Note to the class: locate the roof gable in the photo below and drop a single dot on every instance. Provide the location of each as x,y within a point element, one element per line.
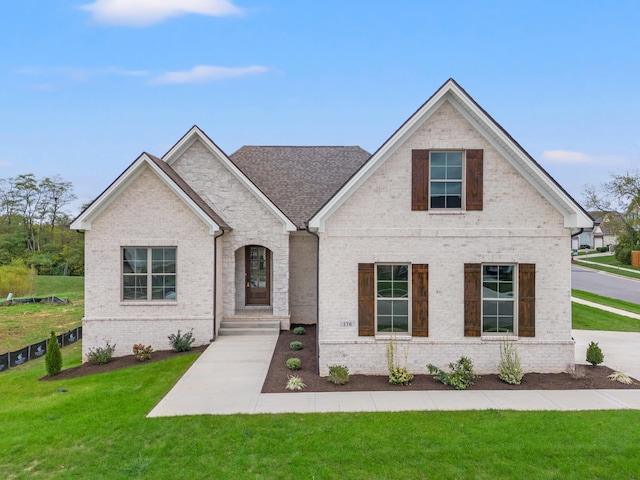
<point>169,177</point>
<point>195,134</point>
<point>573,214</point>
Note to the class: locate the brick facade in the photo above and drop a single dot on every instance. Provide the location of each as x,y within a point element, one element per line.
<point>376,224</point>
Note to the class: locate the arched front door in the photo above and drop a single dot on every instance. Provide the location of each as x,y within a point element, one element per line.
<point>257,275</point>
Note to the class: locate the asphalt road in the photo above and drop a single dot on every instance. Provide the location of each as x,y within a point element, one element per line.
<point>605,284</point>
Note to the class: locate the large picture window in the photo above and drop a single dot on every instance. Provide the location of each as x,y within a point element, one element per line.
<point>498,298</point>
<point>445,177</point>
<point>148,273</point>
<point>392,298</point>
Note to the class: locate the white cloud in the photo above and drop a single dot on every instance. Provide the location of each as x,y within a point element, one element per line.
<point>565,156</point>
<point>142,13</point>
<point>207,73</point>
<point>4,164</point>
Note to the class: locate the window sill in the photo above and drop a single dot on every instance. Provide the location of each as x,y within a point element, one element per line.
<point>401,337</point>
<point>154,303</point>
<point>498,338</point>
<point>447,212</point>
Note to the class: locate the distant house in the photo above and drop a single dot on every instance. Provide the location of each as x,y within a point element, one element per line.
<point>601,234</point>
<point>447,238</point>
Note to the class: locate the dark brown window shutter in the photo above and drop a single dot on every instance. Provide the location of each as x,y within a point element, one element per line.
<point>366,299</point>
<point>420,180</point>
<point>420,300</point>
<point>527,300</point>
<point>474,179</point>
<point>472,299</point>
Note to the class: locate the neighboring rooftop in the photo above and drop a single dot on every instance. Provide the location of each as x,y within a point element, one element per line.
<point>299,180</point>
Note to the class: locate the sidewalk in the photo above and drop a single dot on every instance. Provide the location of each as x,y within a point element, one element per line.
<point>227,379</point>
<point>617,311</point>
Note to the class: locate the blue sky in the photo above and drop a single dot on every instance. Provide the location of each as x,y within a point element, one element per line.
<point>88,85</point>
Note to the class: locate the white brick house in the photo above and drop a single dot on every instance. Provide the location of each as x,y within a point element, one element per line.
<point>448,237</point>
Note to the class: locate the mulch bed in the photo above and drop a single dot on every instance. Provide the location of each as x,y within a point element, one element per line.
<point>118,363</point>
<point>585,377</point>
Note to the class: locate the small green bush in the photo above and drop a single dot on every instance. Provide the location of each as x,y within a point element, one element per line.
<point>461,376</point>
<point>594,354</point>
<point>53,357</point>
<point>338,374</point>
<point>295,383</point>
<point>101,355</point>
<point>181,343</point>
<point>294,364</point>
<point>299,330</point>
<point>398,375</point>
<point>509,368</point>
<point>295,345</point>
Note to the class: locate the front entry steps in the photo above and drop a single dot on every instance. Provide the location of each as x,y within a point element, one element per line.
<point>251,323</point>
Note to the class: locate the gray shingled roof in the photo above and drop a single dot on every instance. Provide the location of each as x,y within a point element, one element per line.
<point>184,186</point>
<point>299,180</point>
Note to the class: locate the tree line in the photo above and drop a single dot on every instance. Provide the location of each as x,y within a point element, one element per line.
<point>34,225</point>
<point>619,200</point>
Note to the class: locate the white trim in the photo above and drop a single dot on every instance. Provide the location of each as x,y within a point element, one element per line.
<point>84,220</point>
<point>196,134</point>
<point>450,92</point>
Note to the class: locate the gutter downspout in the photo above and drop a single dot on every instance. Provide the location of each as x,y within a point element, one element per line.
<point>215,283</point>
<point>578,233</point>
<point>317,298</point>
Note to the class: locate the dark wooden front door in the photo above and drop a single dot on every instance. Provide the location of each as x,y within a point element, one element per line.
<point>257,275</point>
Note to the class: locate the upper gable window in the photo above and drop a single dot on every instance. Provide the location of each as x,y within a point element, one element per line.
<point>445,180</point>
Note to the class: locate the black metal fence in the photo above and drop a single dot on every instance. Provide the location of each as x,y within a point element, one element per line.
<point>36,350</point>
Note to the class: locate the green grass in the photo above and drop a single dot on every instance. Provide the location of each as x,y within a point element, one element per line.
<point>610,302</point>
<point>22,325</point>
<point>611,260</point>
<point>98,430</point>
<point>589,318</point>
<point>609,269</point>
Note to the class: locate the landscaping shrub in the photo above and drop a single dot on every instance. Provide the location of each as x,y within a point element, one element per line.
<point>181,343</point>
<point>398,375</point>
<point>53,357</point>
<point>338,374</point>
<point>623,254</point>
<point>461,376</point>
<point>509,368</point>
<point>101,355</point>
<point>295,383</point>
<point>295,345</point>
<point>294,364</point>
<point>594,354</point>
<point>299,330</point>
<point>16,278</point>
<point>141,352</point>
<point>602,249</point>
<point>620,377</point>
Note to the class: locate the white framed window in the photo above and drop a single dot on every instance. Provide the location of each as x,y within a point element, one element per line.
<point>445,180</point>
<point>149,273</point>
<point>392,298</point>
<point>498,299</point>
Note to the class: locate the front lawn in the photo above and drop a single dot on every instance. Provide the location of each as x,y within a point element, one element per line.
<point>589,318</point>
<point>22,325</point>
<point>97,429</point>
<point>610,302</point>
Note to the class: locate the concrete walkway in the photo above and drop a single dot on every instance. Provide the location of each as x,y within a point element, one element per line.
<point>228,376</point>
<point>606,308</point>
